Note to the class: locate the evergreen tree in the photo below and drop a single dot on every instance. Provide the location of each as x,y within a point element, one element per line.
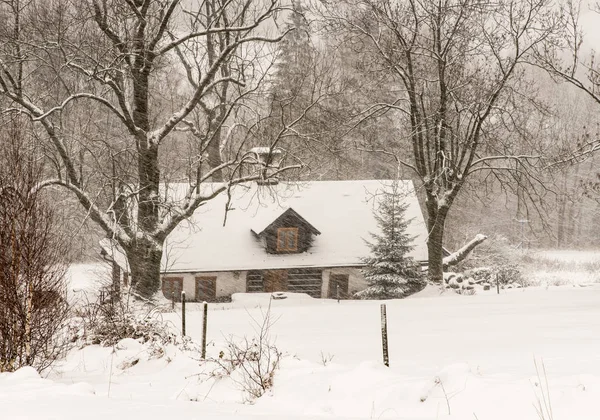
<point>310,79</point>
<point>295,58</point>
<point>389,272</point>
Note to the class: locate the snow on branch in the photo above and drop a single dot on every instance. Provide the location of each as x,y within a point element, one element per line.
<point>88,203</point>
<point>78,96</point>
<point>464,252</point>
<point>194,200</point>
<point>206,84</point>
<point>271,9</point>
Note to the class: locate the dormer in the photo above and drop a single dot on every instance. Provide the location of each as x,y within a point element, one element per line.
<point>289,233</point>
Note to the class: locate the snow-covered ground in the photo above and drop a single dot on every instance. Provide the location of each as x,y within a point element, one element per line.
<point>562,267</point>
<point>85,280</point>
<point>451,357</point>
<point>570,255</point>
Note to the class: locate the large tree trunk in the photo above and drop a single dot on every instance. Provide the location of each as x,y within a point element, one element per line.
<point>149,180</point>
<point>144,262</point>
<point>144,255</point>
<point>435,223</point>
<point>435,271</point>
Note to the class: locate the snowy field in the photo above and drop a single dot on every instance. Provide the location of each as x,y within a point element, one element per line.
<point>570,256</point>
<point>562,267</point>
<point>451,357</point>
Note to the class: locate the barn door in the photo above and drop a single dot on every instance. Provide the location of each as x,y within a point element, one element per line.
<point>275,281</point>
<point>206,289</point>
<point>172,287</point>
<point>338,281</point>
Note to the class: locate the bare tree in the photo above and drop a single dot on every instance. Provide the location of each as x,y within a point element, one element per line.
<point>455,74</point>
<point>569,58</point>
<point>60,60</point>
<point>563,57</point>
<point>33,259</point>
<point>207,124</point>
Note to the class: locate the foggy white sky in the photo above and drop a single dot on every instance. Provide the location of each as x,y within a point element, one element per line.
<point>590,23</point>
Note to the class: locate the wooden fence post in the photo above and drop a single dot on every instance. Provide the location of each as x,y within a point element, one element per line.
<point>183,313</point>
<point>384,337</point>
<point>205,323</point>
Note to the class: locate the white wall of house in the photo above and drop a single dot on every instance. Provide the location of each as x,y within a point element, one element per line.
<point>356,280</point>
<point>325,284</point>
<point>189,286</point>
<point>228,282</point>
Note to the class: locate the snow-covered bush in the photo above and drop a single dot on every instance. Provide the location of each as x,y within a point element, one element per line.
<point>108,322</point>
<point>483,275</point>
<point>389,272</point>
<point>504,274</point>
<point>509,274</point>
<point>250,362</point>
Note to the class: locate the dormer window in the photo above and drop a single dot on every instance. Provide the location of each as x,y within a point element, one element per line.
<point>288,233</point>
<point>287,239</point>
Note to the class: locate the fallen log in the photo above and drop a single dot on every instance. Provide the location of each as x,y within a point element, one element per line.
<point>463,252</point>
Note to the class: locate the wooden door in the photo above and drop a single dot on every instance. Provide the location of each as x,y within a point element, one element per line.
<point>172,287</point>
<point>338,281</point>
<point>206,289</point>
<point>275,281</point>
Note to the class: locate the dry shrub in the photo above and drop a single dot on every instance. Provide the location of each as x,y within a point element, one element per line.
<point>251,363</point>
<point>108,321</point>
<point>33,306</point>
<point>504,273</point>
<point>509,273</point>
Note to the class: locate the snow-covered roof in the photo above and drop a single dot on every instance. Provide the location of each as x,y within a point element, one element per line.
<point>341,210</point>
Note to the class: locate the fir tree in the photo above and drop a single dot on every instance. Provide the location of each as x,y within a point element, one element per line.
<point>310,80</point>
<point>295,58</point>
<point>389,272</point>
